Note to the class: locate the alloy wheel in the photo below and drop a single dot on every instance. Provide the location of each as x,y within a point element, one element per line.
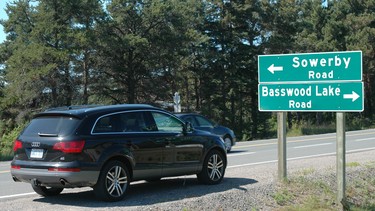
<point>215,167</point>
<point>116,181</point>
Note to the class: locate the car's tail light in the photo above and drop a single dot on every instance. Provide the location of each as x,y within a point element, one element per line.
<point>16,167</point>
<point>17,145</point>
<point>70,146</point>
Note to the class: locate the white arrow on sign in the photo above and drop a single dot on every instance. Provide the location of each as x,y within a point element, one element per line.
<point>274,68</point>
<point>354,96</point>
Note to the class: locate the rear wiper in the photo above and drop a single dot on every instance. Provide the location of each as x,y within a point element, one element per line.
<point>47,135</point>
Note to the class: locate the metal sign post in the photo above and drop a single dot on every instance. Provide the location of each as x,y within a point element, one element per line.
<point>340,159</point>
<point>177,102</point>
<point>281,136</point>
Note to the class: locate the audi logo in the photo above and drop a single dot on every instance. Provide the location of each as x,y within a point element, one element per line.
<point>35,144</point>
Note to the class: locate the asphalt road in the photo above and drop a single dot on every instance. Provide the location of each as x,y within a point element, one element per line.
<point>243,154</point>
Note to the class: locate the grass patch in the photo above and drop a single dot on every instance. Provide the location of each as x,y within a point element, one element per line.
<point>310,203</point>
<point>282,197</point>
<point>307,171</point>
<point>302,193</point>
<point>361,191</point>
<point>353,164</point>
<point>318,129</point>
<point>370,165</point>
<point>295,131</point>
<point>310,129</point>
<point>307,191</point>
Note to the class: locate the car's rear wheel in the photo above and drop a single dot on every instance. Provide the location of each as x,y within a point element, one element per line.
<point>46,191</point>
<point>213,168</point>
<point>113,182</point>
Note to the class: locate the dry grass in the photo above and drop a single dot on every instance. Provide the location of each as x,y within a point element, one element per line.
<point>311,190</point>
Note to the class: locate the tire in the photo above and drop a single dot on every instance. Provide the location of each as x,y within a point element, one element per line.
<point>213,168</point>
<point>228,143</point>
<point>113,182</point>
<point>47,191</point>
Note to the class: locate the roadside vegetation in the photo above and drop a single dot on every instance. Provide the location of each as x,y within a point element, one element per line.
<point>307,191</point>
<point>6,143</point>
<point>301,128</point>
<point>143,51</point>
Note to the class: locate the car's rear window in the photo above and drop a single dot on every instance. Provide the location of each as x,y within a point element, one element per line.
<point>51,126</point>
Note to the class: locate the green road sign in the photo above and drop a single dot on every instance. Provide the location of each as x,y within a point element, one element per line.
<point>319,96</point>
<point>310,67</point>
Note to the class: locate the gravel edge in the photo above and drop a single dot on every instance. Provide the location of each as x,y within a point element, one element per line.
<point>248,187</point>
<point>257,195</point>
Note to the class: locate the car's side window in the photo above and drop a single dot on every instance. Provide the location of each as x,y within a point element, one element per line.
<point>136,121</point>
<point>132,122</point>
<point>191,119</point>
<point>108,124</point>
<point>167,123</point>
<point>203,122</point>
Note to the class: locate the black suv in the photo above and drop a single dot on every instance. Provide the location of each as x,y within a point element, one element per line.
<point>107,147</point>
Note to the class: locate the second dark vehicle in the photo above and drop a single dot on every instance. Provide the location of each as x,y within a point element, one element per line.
<point>202,123</point>
<point>107,147</point>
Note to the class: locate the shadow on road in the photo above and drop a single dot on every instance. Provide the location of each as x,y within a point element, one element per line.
<point>144,193</point>
<point>232,152</point>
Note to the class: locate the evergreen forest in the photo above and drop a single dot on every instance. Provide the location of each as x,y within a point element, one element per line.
<point>78,52</point>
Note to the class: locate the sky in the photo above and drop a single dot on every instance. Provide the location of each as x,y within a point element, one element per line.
<point>3,15</point>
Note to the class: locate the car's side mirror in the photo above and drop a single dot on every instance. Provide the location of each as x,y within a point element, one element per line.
<point>188,127</point>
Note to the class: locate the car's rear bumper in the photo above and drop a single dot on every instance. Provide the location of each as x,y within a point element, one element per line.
<point>63,179</point>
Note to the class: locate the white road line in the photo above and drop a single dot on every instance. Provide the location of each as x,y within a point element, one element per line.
<point>252,164</point>
<point>313,145</point>
<point>17,195</point>
<point>298,158</point>
<point>298,139</point>
<point>240,154</point>
<point>365,139</point>
<point>229,167</point>
<point>360,150</point>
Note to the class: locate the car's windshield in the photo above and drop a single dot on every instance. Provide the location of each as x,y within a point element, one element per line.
<point>203,122</point>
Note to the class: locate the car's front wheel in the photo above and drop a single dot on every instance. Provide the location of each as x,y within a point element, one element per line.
<point>213,168</point>
<point>46,191</point>
<point>113,182</point>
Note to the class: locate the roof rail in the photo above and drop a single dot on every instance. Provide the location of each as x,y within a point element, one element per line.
<point>72,107</point>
